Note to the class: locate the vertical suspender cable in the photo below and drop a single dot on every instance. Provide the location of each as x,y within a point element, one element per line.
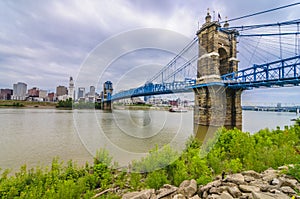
<point>297,38</point>
<point>280,41</point>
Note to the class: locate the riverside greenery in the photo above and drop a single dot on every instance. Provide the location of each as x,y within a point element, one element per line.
<point>230,151</point>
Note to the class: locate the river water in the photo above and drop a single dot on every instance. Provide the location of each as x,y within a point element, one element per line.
<point>34,136</point>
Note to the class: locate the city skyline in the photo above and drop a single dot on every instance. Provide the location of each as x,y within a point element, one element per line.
<point>43,44</point>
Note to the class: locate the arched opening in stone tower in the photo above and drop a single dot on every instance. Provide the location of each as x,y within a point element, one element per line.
<point>224,64</point>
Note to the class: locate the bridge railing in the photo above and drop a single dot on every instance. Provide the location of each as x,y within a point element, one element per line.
<point>156,89</point>
<point>281,72</point>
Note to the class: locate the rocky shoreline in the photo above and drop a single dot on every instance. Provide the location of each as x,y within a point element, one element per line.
<point>246,185</point>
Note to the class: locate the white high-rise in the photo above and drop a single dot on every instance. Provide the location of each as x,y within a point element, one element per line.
<point>19,92</point>
<point>71,88</point>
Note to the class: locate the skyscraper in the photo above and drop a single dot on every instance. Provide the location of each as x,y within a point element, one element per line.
<point>81,92</point>
<point>19,91</point>
<point>61,90</point>
<point>71,88</point>
<point>92,91</point>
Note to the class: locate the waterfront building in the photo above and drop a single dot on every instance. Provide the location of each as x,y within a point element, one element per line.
<point>33,92</point>
<point>19,91</point>
<point>61,90</point>
<point>43,94</point>
<point>63,97</point>
<point>5,94</point>
<point>51,97</point>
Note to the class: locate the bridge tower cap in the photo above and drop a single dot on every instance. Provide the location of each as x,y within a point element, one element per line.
<point>208,17</point>
<point>226,24</point>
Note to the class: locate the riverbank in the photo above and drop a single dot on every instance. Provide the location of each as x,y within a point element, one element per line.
<point>146,107</point>
<point>27,104</point>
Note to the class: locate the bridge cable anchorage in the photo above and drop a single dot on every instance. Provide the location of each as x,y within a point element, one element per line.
<point>261,12</point>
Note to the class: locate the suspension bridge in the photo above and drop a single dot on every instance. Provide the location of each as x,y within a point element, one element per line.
<point>268,56</point>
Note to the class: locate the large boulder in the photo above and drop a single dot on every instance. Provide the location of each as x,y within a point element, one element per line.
<point>166,190</point>
<point>262,195</point>
<point>145,194</point>
<point>249,188</point>
<point>235,178</point>
<point>188,188</point>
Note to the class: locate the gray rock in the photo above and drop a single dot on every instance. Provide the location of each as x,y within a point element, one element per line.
<point>264,186</point>
<point>222,189</point>
<point>145,194</point>
<point>261,195</point>
<point>214,196</point>
<point>226,195</point>
<point>246,196</point>
<point>205,194</point>
<point>179,196</point>
<point>289,182</point>
<point>251,173</point>
<point>228,184</point>
<point>275,181</point>
<point>195,197</point>
<point>235,178</point>
<point>130,195</point>
<point>287,190</point>
<point>269,174</point>
<point>249,188</point>
<point>215,183</point>
<point>249,179</point>
<point>153,196</point>
<point>274,191</point>
<point>166,190</point>
<point>188,188</point>
<point>234,191</point>
<point>283,168</point>
<point>214,190</point>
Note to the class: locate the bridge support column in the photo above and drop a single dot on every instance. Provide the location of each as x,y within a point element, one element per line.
<point>216,106</point>
<point>106,105</point>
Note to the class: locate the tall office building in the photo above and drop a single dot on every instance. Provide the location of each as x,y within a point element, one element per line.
<point>19,91</point>
<point>61,90</point>
<point>92,91</point>
<point>71,88</point>
<point>81,92</point>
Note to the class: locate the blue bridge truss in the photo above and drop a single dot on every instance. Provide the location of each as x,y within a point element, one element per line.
<point>278,73</point>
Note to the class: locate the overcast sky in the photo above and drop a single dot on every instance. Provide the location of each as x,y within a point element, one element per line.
<point>43,43</point>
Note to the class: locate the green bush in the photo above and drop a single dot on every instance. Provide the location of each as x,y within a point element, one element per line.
<point>156,179</point>
<point>294,171</point>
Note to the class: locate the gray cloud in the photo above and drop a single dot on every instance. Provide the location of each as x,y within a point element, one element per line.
<point>42,43</point>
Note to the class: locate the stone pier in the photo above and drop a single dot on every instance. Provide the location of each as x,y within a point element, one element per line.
<point>106,103</point>
<point>216,105</point>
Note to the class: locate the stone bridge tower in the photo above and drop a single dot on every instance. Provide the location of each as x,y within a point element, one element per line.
<point>216,105</point>
<point>106,96</point>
